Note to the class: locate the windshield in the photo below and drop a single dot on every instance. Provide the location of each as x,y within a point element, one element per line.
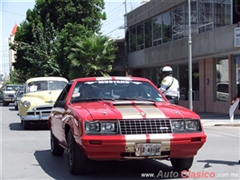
<point>12,87</point>
<point>115,90</point>
<point>45,85</point>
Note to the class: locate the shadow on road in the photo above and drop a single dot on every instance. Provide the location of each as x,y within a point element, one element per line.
<point>209,162</point>
<point>56,167</point>
<point>34,127</point>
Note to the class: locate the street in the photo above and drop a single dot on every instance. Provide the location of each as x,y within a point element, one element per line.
<point>26,155</point>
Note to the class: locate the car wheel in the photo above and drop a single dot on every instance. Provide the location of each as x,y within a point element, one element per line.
<point>26,125</point>
<point>77,161</point>
<point>55,148</point>
<point>182,164</point>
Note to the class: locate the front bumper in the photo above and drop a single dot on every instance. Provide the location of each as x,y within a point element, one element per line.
<point>37,114</point>
<point>119,147</point>
<point>9,99</point>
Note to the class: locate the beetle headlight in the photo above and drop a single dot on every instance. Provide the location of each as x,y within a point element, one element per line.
<point>26,104</point>
<point>185,125</point>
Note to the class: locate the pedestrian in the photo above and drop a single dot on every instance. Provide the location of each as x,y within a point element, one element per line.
<point>170,85</point>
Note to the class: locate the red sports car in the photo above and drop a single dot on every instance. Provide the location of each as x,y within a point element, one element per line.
<point>121,118</point>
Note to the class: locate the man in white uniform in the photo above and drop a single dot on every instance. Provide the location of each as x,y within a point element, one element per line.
<point>170,85</point>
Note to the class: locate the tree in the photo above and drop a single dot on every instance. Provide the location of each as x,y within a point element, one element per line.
<point>43,41</point>
<point>93,56</point>
<point>64,42</point>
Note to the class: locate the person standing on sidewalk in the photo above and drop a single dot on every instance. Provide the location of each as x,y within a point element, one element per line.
<point>170,85</point>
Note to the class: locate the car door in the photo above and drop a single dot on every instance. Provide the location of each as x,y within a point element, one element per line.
<point>57,115</point>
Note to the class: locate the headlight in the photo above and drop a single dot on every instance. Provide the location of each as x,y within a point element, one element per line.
<point>186,125</point>
<point>26,104</point>
<point>178,126</point>
<point>192,125</point>
<point>91,127</point>
<point>108,127</point>
<point>98,127</point>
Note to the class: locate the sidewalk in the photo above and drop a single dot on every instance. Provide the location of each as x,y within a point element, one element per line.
<point>219,119</point>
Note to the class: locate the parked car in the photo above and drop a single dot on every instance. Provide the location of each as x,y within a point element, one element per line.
<point>38,99</point>
<point>8,93</point>
<point>18,95</point>
<point>122,118</point>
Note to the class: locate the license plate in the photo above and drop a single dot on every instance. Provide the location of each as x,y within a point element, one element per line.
<point>147,149</point>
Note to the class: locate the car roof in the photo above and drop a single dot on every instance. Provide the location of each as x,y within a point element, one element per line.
<point>46,78</point>
<point>107,78</point>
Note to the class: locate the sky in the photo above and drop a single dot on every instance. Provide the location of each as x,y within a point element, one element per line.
<point>14,12</point>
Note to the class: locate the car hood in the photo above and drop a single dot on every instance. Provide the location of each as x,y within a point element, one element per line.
<point>133,110</point>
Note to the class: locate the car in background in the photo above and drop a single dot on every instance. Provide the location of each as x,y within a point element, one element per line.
<point>8,93</point>
<point>38,99</point>
<point>18,95</point>
<point>122,118</point>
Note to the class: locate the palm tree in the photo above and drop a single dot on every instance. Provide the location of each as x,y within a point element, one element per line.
<point>93,56</point>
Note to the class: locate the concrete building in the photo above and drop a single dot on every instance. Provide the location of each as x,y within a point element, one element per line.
<point>157,35</point>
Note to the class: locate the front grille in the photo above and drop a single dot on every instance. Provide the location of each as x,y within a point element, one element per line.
<point>152,126</point>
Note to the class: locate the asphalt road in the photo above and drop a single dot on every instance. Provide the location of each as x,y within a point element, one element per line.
<point>26,155</point>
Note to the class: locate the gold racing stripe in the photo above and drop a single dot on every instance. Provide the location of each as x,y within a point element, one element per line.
<point>151,111</point>
<point>129,112</point>
<point>140,111</point>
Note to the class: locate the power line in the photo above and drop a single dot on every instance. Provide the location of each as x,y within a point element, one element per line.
<point>135,17</point>
<point>13,13</point>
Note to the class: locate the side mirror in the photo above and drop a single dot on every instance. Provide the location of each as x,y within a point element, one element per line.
<point>61,104</point>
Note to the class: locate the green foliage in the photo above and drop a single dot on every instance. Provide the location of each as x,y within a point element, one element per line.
<point>93,56</point>
<point>17,77</point>
<point>44,40</point>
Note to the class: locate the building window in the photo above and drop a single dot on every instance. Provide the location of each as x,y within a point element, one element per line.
<point>222,13</point>
<point>178,27</point>
<point>205,16</point>
<point>222,79</point>
<point>132,40</point>
<point>157,30</point>
<point>148,33</point>
<point>140,37</point>
<point>167,27</point>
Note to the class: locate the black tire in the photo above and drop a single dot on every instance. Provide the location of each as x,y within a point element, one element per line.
<point>182,164</point>
<point>55,148</point>
<point>77,161</point>
<point>26,125</point>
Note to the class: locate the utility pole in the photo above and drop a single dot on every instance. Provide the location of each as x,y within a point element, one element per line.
<point>190,55</point>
